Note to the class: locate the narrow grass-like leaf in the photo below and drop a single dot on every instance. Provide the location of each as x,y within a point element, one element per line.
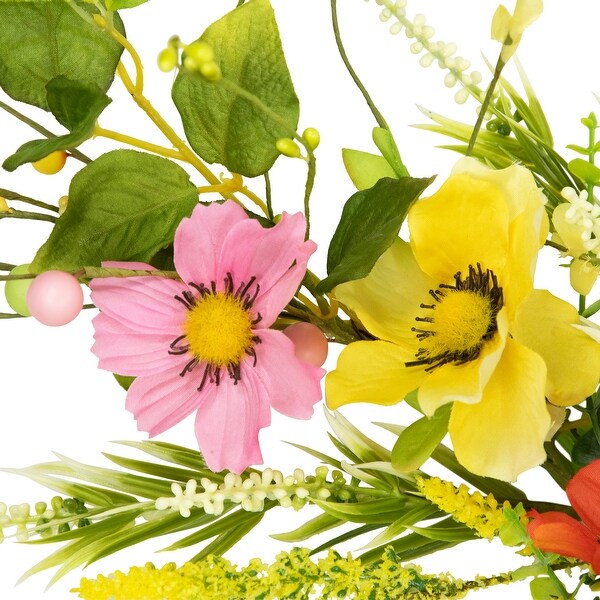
<point>157,470</point>
<point>344,537</point>
<point>315,526</point>
<point>178,455</point>
<point>322,457</point>
<point>381,511</point>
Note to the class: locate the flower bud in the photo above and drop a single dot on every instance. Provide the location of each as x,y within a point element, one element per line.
<point>210,71</point>
<point>312,137</point>
<point>167,59</point>
<point>288,147</point>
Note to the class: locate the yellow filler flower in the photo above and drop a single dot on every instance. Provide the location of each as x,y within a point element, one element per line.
<point>457,317</point>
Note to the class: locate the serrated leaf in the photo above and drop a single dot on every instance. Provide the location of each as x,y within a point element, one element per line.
<point>417,442</point>
<point>387,146</point>
<point>42,40</point>
<point>585,171</point>
<point>76,105</point>
<point>223,126</point>
<point>124,206</point>
<point>366,169</point>
<point>370,223</point>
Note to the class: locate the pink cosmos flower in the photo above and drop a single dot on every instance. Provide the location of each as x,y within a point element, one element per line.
<point>204,344</point>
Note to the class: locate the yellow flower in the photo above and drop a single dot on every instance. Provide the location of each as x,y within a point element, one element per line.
<point>457,317</point>
<point>508,29</point>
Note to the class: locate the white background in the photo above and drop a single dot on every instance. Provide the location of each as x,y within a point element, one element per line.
<point>52,397</point>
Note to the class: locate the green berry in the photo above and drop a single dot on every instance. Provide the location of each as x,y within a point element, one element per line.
<point>288,147</point>
<point>200,53</point>
<point>312,137</point>
<point>15,291</point>
<point>167,59</point>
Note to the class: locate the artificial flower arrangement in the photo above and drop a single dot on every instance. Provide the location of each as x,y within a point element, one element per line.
<point>205,305</point>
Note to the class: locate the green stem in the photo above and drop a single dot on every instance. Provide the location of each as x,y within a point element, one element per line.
<point>10,195</point>
<point>557,465</point>
<point>484,105</point>
<point>591,404</point>
<point>268,196</point>
<point>6,266</point>
<point>556,246</point>
<point>23,214</point>
<point>581,304</point>
<point>310,182</point>
<point>338,40</point>
<point>11,316</point>
<point>15,113</point>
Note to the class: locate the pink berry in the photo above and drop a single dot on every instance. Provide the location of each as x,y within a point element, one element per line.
<point>54,298</point>
<point>309,341</point>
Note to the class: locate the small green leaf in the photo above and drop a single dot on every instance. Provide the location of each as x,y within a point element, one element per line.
<point>366,169</point>
<point>586,449</point>
<point>585,171</point>
<point>42,40</point>
<point>578,149</point>
<point>416,443</point>
<point>370,223</point>
<point>76,105</point>
<point>387,146</point>
<point>124,381</point>
<point>119,4</point>
<point>223,126</point>
<point>125,205</point>
<point>543,588</point>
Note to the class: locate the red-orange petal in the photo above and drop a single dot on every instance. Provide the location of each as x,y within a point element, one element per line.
<point>583,492</point>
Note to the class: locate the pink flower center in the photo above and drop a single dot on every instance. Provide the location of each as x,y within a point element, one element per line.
<point>218,329</point>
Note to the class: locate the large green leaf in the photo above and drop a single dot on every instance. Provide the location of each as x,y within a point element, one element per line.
<point>42,40</point>
<point>417,442</point>
<point>221,125</point>
<point>370,222</point>
<point>125,205</point>
<point>76,105</point>
<point>119,4</point>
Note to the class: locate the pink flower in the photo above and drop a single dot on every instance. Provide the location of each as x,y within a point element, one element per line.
<point>204,344</point>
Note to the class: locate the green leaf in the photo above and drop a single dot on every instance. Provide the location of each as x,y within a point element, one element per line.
<point>387,146</point>
<point>578,149</point>
<point>76,105</point>
<point>124,381</point>
<point>120,4</point>
<point>417,442</point>
<point>586,449</point>
<point>543,588</point>
<point>370,223</point>
<point>315,526</point>
<point>42,40</point>
<point>585,171</point>
<point>223,126</point>
<point>125,205</point>
<point>366,169</point>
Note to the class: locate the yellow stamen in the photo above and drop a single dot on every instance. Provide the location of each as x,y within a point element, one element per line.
<point>219,329</point>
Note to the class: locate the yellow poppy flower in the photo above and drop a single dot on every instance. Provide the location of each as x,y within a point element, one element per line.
<point>457,317</point>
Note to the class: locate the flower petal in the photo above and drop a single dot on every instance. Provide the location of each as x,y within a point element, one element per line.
<point>464,383</point>
<point>503,434</point>
<point>387,300</point>
<point>583,491</point>
<point>129,352</point>
<point>140,304</point>
<point>464,223</point>
<point>199,240</point>
<point>549,326</point>
<point>228,423</point>
<point>163,399</point>
<point>371,372</point>
<point>293,387</point>
<point>267,254</point>
<point>560,533</point>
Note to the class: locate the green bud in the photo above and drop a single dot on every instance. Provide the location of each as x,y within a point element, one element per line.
<point>40,508</point>
<point>288,147</point>
<point>321,472</point>
<point>210,71</point>
<point>312,137</point>
<point>200,53</point>
<point>167,59</point>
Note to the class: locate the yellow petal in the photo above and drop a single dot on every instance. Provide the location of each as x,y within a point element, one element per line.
<point>503,435</point>
<point>569,233</point>
<point>387,300</point>
<point>526,12</point>
<point>371,372</point>
<point>501,24</point>
<point>464,383</point>
<point>548,326</point>
<point>527,230</point>
<point>464,223</point>
<point>583,275</point>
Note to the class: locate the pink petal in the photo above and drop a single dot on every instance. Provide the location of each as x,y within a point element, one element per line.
<point>142,304</point>
<point>128,352</point>
<point>228,423</point>
<point>292,386</point>
<point>161,400</point>
<point>267,254</point>
<point>199,240</point>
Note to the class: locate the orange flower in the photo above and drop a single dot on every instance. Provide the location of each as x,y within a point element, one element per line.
<point>560,533</point>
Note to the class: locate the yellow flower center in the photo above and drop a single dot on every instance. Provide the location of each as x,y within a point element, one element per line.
<point>219,329</point>
<point>461,320</point>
